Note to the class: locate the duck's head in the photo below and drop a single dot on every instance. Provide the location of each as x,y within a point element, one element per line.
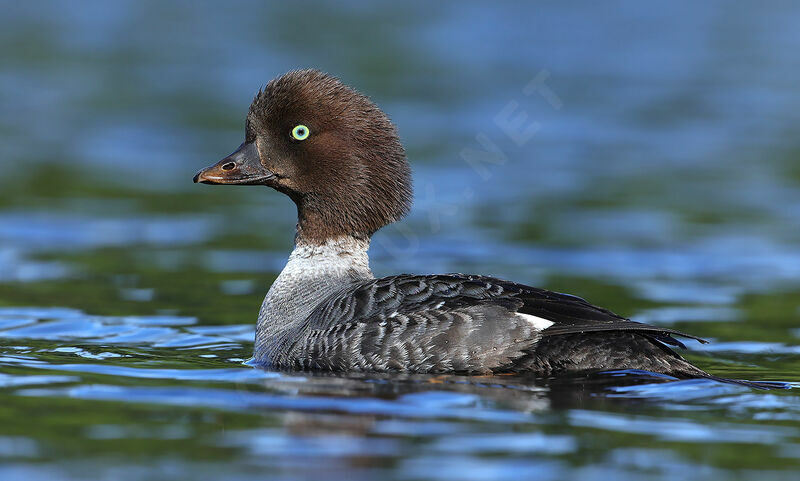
<point>327,147</point>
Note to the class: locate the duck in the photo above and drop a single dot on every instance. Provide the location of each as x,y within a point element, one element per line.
<point>339,158</point>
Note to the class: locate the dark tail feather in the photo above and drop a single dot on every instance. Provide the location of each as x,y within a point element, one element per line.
<point>753,384</point>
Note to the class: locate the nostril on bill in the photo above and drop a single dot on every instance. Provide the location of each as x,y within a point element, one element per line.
<point>228,166</point>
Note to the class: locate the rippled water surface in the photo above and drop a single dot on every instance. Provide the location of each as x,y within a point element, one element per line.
<point>646,158</point>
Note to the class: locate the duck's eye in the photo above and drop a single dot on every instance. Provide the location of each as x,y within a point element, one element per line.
<point>300,132</point>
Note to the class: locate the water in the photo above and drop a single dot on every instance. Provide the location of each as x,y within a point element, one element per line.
<point>656,172</point>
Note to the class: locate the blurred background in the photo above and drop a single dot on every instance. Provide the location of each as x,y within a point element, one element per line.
<point>644,157</point>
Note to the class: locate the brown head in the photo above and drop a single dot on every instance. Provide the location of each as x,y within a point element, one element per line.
<point>327,147</point>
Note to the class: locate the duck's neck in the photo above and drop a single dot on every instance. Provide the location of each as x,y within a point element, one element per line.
<point>314,272</point>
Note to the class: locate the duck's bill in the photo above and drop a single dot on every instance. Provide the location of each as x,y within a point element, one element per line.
<point>243,167</point>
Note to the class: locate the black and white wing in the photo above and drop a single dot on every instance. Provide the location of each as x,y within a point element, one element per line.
<point>443,323</point>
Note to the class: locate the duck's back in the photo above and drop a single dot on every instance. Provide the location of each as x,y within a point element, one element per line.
<point>471,324</point>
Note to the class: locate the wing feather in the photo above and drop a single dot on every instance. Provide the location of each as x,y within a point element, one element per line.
<point>444,323</point>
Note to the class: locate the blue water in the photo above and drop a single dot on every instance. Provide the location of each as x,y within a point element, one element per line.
<point>643,156</point>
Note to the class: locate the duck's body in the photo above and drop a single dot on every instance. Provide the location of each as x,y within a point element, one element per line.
<point>326,311</point>
<point>337,156</point>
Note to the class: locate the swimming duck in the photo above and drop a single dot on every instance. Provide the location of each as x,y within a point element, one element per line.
<point>339,158</point>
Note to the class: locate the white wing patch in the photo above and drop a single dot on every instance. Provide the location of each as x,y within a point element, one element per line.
<point>538,323</point>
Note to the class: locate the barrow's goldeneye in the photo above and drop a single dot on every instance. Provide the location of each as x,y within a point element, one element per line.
<point>338,157</point>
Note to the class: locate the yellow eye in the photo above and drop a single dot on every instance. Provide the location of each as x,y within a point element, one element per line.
<point>300,132</point>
